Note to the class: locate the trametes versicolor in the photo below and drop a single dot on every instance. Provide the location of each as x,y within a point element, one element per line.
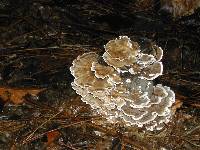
<point>119,86</point>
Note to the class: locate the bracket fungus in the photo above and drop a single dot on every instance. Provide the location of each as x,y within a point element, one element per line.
<point>119,84</point>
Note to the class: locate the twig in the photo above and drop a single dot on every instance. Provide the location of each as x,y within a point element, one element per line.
<point>40,127</point>
<point>192,130</point>
<point>30,138</point>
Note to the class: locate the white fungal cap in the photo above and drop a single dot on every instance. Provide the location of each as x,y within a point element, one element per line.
<point>122,90</point>
<point>120,52</point>
<point>101,71</point>
<point>152,71</point>
<point>145,60</point>
<point>121,48</point>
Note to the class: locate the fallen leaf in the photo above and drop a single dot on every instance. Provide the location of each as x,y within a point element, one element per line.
<point>178,103</point>
<point>16,95</point>
<point>51,136</point>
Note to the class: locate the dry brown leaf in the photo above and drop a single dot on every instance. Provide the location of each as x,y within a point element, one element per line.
<point>16,95</point>
<point>52,136</point>
<point>178,103</point>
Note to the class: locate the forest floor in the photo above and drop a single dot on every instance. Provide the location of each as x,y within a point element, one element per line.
<point>39,39</point>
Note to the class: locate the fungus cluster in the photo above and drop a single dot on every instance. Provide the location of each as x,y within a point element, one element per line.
<point>119,86</point>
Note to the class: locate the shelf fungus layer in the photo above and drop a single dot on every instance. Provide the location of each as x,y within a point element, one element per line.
<point>120,87</point>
